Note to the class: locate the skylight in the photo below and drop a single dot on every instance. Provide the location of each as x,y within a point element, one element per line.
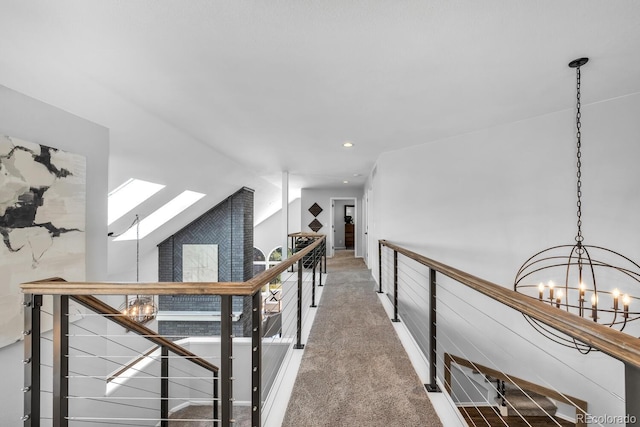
<point>162,215</point>
<point>129,195</point>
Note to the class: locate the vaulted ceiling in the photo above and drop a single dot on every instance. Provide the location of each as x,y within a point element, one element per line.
<point>265,87</point>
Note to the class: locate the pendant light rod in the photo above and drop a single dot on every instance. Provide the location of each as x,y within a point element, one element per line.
<point>577,63</point>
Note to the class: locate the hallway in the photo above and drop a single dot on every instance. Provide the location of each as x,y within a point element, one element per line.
<point>354,370</point>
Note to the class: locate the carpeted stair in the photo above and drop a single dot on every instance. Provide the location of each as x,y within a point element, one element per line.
<point>528,405</point>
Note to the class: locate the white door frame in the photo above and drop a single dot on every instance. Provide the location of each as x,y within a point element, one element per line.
<point>332,229</point>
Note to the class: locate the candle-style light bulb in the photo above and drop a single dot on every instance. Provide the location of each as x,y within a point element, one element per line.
<point>616,297</point>
<point>551,286</point>
<point>581,287</point>
<point>558,298</point>
<point>540,291</point>
<point>626,300</point>
<point>594,307</point>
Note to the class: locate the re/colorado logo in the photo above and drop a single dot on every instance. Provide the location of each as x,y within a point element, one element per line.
<point>606,419</point>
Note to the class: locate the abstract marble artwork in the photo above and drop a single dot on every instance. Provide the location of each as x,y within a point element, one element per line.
<point>199,263</point>
<point>42,223</point>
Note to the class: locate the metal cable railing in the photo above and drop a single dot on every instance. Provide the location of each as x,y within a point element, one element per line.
<point>475,339</point>
<point>86,372</point>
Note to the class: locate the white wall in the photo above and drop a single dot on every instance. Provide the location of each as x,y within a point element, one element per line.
<point>323,198</point>
<point>35,121</point>
<point>486,201</point>
<point>268,234</point>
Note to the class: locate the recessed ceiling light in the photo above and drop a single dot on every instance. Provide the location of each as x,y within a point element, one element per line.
<point>348,144</point>
<point>357,174</point>
<point>345,182</point>
<point>162,215</point>
<point>129,195</point>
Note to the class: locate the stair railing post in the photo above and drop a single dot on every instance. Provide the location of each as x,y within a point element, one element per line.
<point>433,359</point>
<point>256,359</point>
<point>632,394</point>
<point>164,386</point>
<point>395,287</point>
<point>226,359</point>
<point>299,344</point>
<point>60,360</point>
<point>31,361</point>
<point>379,267</point>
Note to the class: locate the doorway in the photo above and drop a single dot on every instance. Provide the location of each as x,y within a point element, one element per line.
<point>344,218</point>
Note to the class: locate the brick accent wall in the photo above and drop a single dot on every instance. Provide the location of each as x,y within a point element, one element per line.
<point>230,226</point>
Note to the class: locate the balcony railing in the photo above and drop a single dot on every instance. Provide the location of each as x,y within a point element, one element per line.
<point>473,335</point>
<point>86,363</point>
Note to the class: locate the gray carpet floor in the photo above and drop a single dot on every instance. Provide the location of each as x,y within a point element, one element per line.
<point>354,370</point>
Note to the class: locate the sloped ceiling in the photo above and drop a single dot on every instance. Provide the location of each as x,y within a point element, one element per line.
<point>214,95</point>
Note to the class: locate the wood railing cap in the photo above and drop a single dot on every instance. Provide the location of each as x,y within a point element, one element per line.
<point>57,286</point>
<point>619,345</point>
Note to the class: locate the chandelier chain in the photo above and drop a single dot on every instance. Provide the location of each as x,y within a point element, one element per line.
<point>579,237</point>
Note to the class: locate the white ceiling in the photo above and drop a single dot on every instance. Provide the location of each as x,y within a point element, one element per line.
<point>280,85</point>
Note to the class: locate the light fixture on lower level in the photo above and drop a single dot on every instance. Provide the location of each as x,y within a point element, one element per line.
<point>141,308</point>
<point>589,281</point>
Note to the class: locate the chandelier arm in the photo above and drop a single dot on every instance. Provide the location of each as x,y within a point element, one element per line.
<point>631,274</point>
<point>559,339</point>
<point>584,349</point>
<point>524,265</point>
<point>623,325</point>
<point>544,268</point>
<point>618,254</point>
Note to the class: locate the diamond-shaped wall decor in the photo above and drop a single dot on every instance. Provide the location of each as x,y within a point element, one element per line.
<point>315,210</point>
<point>315,225</point>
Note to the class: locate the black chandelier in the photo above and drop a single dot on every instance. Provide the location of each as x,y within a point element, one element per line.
<point>589,281</point>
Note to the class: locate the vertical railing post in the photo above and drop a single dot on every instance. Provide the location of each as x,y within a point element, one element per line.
<point>324,251</point>
<point>164,387</point>
<point>299,344</point>
<point>226,362</point>
<point>293,250</point>
<point>319,261</point>
<point>379,267</point>
<point>313,285</point>
<point>395,287</point>
<point>433,373</point>
<point>31,389</point>
<point>632,394</point>
<point>216,400</point>
<point>60,360</point>
<point>256,359</point>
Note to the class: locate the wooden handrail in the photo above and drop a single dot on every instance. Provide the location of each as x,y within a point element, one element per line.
<point>271,273</point>
<point>616,344</point>
<point>580,405</point>
<point>305,234</point>
<point>115,316</point>
<point>248,288</point>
